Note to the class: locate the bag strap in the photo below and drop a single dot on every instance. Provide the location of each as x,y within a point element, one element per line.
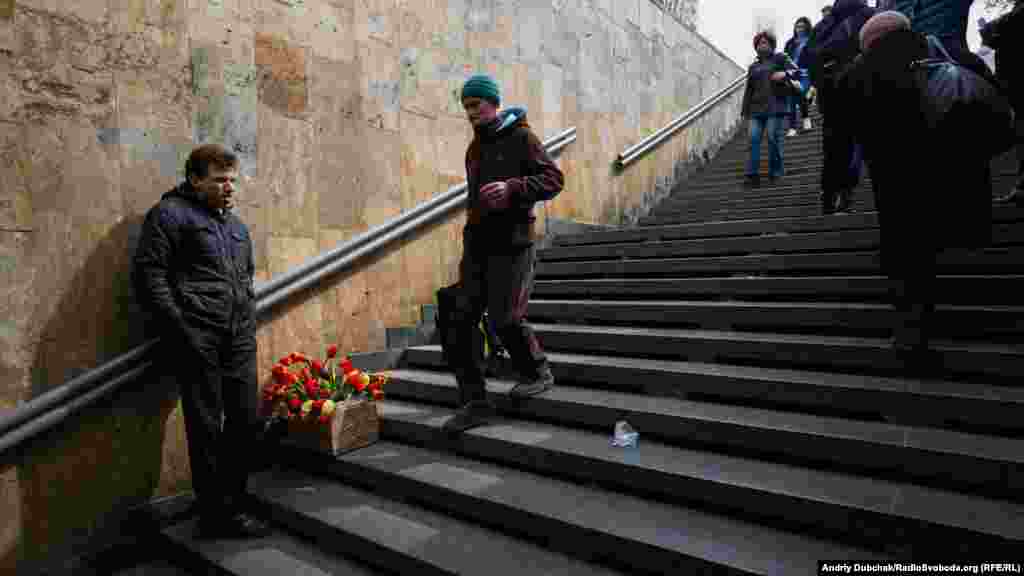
<point>934,42</point>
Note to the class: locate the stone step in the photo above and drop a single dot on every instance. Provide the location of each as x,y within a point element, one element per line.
<point>845,240</point>
<point>808,205</point>
<point>1000,213</point>
<point>1003,235</point>
<point>991,261</point>
<point>155,568</point>
<point>398,536</point>
<point>949,289</point>
<point>967,406</point>
<point>277,554</point>
<point>734,201</point>
<point>974,321</point>
<point>642,536</point>
<point>884,513</point>
<point>988,465</point>
<point>1003,362</point>
<point>736,189</point>
<point>721,229</point>
<point>786,212</point>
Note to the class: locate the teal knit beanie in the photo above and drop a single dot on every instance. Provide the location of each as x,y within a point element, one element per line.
<point>482,86</point>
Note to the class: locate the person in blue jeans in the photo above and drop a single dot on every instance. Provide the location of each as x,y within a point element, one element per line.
<point>765,104</point>
<point>799,103</point>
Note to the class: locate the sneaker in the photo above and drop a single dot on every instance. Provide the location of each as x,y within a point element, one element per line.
<point>471,415</point>
<point>791,133</point>
<point>808,125</point>
<point>240,526</point>
<point>752,181</point>
<point>542,383</point>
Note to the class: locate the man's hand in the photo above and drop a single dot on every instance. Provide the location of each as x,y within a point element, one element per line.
<point>495,195</point>
<point>779,76</point>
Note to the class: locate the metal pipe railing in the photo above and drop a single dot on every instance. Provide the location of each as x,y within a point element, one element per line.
<point>51,408</point>
<point>651,142</point>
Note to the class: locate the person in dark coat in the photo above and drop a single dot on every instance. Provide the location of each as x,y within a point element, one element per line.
<point>946,20</point>
<point>193,273</point>
<point>901,152</point>
<point>833,45</point>
<point>1006,35</point>
<point>800,104</point>
<point>765,103</point>
<point>508,170</point>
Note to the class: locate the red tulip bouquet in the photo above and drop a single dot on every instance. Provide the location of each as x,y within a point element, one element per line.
<point>309,389</point>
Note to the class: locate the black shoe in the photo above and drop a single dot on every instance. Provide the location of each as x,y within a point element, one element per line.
<point>469,416</point>
<point>752,181</point>
<point>240,526</point>
<point>538,385</point>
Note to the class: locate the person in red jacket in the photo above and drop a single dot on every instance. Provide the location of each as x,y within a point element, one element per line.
<point>508,170</point>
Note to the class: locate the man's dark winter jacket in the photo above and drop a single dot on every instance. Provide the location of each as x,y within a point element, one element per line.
<point>508,151</point>
<point>764,96</point>
<point>194,267</point>
<point>946,19</point>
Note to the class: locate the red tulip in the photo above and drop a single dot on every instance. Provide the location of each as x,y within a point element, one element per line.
<point>332,350</point>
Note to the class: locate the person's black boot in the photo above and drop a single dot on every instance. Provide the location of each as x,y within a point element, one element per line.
<point>471,415</point>
<point>752,180</point>
<point>542,382</point>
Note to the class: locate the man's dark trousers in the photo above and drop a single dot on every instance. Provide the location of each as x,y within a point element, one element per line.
<point>841,170</point>
<point>501,283</point>
<point>216,372</point>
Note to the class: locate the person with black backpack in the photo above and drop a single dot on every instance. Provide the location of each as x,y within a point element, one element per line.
<point>832,47</point>
<point>913,116</point>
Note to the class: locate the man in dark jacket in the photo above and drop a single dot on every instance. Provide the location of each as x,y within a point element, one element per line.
<point>833,45</point>
<point>508,170</point>
<point>900,148</point>
<point>193,272</point>
<point>1006,35</point>
<point>765,103</point>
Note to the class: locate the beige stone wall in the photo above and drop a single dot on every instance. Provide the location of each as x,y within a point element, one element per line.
<point>344,113</point>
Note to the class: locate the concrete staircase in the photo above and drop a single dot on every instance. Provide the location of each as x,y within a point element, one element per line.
<point>746,338</point>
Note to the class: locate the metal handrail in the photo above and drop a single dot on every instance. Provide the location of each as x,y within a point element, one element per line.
<point>51,408</point>
<point>636,151</point>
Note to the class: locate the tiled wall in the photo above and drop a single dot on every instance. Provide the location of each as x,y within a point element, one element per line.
<point>344,113</point>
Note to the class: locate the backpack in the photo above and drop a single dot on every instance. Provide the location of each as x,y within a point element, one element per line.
<point>832,53</point>
<point>487,349</point>
<point>954,96</point>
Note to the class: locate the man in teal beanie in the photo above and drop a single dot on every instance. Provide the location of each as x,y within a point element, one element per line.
<point>507,170</point>
<point>482,86</point>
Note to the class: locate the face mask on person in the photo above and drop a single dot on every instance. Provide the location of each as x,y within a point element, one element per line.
<point>764,51</point>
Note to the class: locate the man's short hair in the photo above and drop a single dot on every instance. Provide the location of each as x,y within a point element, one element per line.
<point>201,158</point>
